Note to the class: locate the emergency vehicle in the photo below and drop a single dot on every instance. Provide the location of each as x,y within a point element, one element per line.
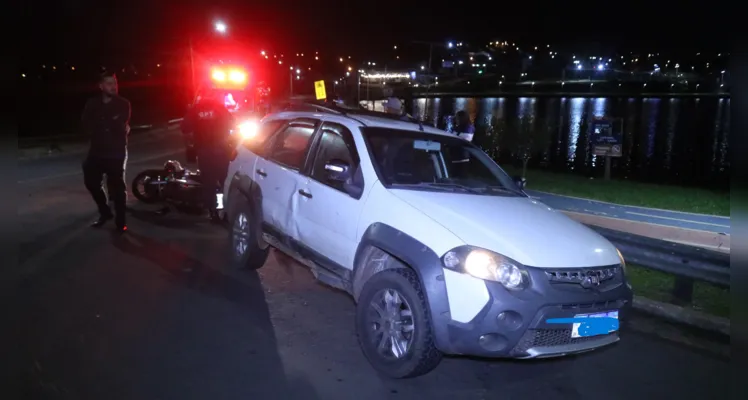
<point>244,96</point>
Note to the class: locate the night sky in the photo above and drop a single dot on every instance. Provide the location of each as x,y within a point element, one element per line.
<point>103,31</point>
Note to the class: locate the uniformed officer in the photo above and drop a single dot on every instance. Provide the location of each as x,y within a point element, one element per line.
<point>211,123</point>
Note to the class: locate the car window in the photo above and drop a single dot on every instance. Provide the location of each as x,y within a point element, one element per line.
<point>257,142</point>
<point>419,161</point>
<point>335,143</point>
<point>289,149</point>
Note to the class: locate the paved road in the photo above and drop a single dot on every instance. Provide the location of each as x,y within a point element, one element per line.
<point>158,314</point>
<point>700,222</point>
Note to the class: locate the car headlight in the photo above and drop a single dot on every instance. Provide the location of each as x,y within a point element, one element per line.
<point>623,262</point>
<point>484,264</point>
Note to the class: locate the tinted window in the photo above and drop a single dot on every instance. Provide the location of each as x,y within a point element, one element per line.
<point>415,160</point>
<point>336,143</point>
<point>265,131</point>
<point>289,148</point>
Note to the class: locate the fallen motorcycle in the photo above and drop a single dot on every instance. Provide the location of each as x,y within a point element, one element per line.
<point>173,185</point>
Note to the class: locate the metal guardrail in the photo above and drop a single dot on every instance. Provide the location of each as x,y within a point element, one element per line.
<point>687,263</point>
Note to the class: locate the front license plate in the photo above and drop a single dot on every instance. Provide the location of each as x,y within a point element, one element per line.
<point>586,329</point>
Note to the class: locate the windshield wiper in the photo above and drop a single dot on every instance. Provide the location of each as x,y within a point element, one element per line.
<point>442,186</point>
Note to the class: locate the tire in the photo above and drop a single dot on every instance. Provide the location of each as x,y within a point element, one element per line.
<point>243,226</point>
<point>421,355</point>
<point>145,196</point>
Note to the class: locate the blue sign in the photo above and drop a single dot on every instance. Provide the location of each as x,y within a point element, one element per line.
<point>605,138</point>
<point>603,133</point>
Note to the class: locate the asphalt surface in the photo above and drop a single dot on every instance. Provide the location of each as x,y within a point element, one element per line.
<point>709,223</point>
<point>159,314</point>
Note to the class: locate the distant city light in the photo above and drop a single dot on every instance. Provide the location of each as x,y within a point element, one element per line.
<point>422,67</point>
<point>579,66</point>
<point>450,45</point>
<point>221,27</point>
<point>298,71</point>
<point>600,67</point>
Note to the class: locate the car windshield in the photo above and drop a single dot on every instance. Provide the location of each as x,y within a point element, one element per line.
<point>421,161</point>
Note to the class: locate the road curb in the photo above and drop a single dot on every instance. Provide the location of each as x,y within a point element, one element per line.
<point>683,315</point>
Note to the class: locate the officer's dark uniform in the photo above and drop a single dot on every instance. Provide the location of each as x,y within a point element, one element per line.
<point>210,122</point>
<point>107,126</point>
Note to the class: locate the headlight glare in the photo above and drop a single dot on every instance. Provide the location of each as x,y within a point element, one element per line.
<point>484,264</point>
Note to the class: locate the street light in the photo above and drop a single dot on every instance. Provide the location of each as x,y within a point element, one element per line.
<point>221,27</point>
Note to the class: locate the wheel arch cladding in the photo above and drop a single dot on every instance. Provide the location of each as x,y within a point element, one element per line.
<point>417,256</point>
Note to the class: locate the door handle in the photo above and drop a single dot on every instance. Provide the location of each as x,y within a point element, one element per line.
<point>261,173</point>
<point>305,193</point>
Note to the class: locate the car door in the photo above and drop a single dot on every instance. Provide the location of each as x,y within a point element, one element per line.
<point>277,174</point>
<point>249,150</point>
<point>327,212</point>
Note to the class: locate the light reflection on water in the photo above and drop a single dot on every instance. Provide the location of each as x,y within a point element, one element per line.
<point>662,135</point>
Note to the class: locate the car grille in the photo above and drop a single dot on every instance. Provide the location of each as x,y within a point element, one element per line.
<point>551,337</point>
<point>578,275</point>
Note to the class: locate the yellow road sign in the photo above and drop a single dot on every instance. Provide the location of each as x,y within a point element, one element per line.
<point>319,90</point>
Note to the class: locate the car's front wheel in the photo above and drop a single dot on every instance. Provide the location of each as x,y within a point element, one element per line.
<point>394,326</point>
<point>245,249</point>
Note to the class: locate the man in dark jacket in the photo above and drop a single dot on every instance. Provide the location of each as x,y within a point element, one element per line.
<point>210,123</point>
<point>106,120</point>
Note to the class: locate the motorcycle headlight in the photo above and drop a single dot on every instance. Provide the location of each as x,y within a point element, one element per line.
<point>485,264</point>
<point>247,129</point>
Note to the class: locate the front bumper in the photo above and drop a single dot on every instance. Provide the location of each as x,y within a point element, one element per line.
<point>515,324</point>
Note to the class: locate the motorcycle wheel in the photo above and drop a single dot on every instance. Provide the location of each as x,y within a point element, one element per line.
<point>142,190</point>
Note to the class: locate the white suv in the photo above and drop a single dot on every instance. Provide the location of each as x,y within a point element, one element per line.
<point>442,251</point>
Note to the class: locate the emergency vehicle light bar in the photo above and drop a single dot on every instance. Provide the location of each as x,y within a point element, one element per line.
<point>234,76</point>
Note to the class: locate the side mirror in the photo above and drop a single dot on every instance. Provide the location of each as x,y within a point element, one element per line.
<point>520,182</point>
<point>337,171</point>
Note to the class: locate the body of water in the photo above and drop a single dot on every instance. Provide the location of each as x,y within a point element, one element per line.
<point>680,141</point>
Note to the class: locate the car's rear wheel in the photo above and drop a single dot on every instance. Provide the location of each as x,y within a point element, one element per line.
<point>394,326</point>
<point>245,250</point>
